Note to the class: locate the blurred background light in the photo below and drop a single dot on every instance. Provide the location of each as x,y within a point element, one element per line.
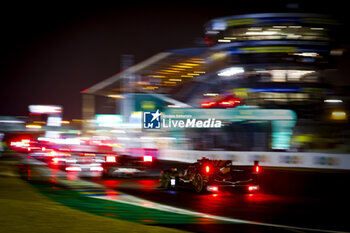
<point>230,71</point>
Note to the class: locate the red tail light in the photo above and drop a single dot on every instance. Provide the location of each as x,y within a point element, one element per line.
<point>253,188</point>
<point>230,102</point>
<point>207,169</point>
<point>208,104</point>
<point>257,169</point>
<point>147,158</point>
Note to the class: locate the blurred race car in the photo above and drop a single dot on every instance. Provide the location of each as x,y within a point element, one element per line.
<point>212,175</point>
<point>126,165</point>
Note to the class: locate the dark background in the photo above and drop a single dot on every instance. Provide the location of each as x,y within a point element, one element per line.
<point>51,52</point>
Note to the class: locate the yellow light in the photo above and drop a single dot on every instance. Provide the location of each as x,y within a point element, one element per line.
<point>175,79</point>
<point>170,82</point>
<point>116,96</point>
<point>39,122</point>
<point>65,149</point>
<point>150,88</point>
<point>89,154</point>
<point>33,126</point>
<point>156,76</point>
<point>188,64</point>
<point>179,66</point>
<point>199,72</point>
<point>338,115</point>
<point>65,122</point>
<point>78,120</point>
<point>197,60</point>
<point>186,76</point>
<point>193,74</point>
<point>176,68</point>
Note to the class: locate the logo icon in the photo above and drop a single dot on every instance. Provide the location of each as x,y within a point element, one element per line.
<point>151,120</point>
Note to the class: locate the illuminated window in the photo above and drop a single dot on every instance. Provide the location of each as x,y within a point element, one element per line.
<point>276,32</point>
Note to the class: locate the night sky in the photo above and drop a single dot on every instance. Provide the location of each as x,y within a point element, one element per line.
<point>49,53</point>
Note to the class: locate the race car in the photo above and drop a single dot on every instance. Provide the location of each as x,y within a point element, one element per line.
<point>126,165</point>
<point>212,176</point>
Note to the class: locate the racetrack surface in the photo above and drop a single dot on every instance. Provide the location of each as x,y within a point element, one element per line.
<point>297,201</point>
<point>306,208</point>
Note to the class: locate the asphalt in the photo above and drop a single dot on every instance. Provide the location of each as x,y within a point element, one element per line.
<point>316,200</point>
